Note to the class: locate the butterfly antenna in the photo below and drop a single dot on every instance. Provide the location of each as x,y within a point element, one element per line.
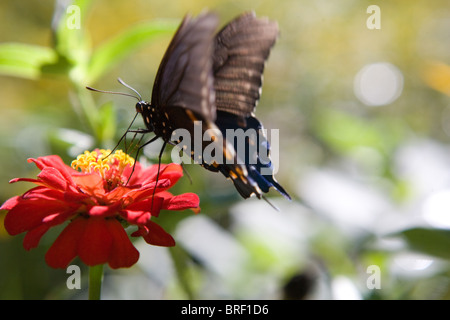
<point>138,98</point>
<point>115,92</point>
<point>122,94</point>
<point>129,87</point>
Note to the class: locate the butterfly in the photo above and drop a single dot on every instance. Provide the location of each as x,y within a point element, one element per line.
<point>208,85</point>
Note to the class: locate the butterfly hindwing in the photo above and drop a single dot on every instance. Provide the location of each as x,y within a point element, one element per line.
<point>241,49</point>
<point>253,150</point>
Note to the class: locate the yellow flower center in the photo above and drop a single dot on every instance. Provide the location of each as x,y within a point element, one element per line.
<point>108,165</point>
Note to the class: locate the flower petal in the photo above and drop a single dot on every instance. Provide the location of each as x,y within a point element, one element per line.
<point>43,193</point>
<point>26,180</point>
<point>33,237</point>
<point>140,212</point>
<point>158,236</point>
<point>120,192</point>
<point>135,177</point>
<point>136,217</point>
<point>10,203</point>
<point>136,192</point>
<point>54,179</point>
<point>171,171</point>
<point>56,162</point>
<point>28,213</point>
<point>182,202</point>
<point>103,211</point>
<point>95,246</point>
<point>91,184</point>
<point>95,241</point>
<point>123,254</point>
<point>64,249</point>
<point>141,193</point>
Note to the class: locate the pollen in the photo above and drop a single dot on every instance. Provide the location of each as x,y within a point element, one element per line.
<point>109,165</point>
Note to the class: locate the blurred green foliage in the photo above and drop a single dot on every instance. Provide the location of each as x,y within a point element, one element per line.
<point>338,156</point>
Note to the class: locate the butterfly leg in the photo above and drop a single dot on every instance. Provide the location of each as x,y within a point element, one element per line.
<point>139,150</point>
<point>157,174</point>
<point>124,135</point>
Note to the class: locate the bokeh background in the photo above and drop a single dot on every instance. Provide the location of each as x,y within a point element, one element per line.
<point>364,119</point>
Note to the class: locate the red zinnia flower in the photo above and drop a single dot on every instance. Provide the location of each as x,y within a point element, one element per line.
<point>99,203</point>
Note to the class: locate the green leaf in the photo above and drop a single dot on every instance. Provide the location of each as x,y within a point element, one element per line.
<point>68,26</point>
<point>60,66</point>
<point>112,51</point>
<point>181,261</point>
<point>24,60</point>
<point>345,131</point>
<point>70,39</point>
<point>435,242</point>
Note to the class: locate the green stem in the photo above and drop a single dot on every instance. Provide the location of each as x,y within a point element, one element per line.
<point>88,109</point>
<point>180,258</point>
<point>95,281</point>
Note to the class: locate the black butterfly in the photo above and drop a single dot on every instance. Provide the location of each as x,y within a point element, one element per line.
<point>216,79</point>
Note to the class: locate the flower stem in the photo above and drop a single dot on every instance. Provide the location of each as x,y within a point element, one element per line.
<point>95,281</point>
<point>180,258</point>
<point>88,109</point>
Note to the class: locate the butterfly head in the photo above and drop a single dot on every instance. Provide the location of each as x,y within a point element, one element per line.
<point>148,113</point>
<point>141,106</point>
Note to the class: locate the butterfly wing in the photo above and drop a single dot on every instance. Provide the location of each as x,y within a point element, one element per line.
<point>184,88</point>
<point>183,93</point>
<point>241,50</point>
<point>184,77</point>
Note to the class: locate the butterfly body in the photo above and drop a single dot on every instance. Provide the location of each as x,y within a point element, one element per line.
<point>155,120</point>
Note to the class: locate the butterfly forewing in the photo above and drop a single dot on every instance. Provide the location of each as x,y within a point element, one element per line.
<point>184,78</point>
